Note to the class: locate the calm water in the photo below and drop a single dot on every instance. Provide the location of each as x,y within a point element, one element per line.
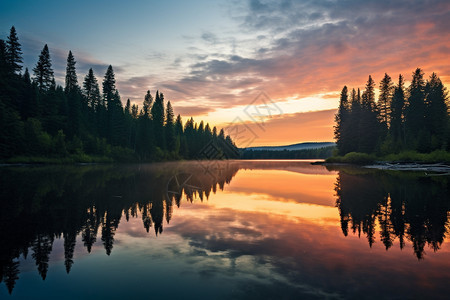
<point>223,230</point>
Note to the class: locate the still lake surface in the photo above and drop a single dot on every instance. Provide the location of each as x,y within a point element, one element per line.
<point>223,230</point>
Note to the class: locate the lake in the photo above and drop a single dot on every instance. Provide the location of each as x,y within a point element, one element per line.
<point>223,230</point>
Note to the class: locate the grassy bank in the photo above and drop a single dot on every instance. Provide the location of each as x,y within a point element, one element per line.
<point>438,156</point>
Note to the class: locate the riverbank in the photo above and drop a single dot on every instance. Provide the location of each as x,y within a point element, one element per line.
<point>438,156</point>
<point>434,162</point>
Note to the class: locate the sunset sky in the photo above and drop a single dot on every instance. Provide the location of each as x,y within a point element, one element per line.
<point>288,60</point>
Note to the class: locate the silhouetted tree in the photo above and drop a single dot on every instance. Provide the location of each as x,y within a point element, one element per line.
<point>42,247</point>
<point>147,105</point>
<point>396,112</point>
<point>91,90</point>
<point>109,87</point>
<point>436,116</point>
<point>69,247</point>
<point>43,72</point>
<point>415,110</point>
<point>158,120</point>
<point>11,274</point>
<point>13,51</point>
<point>169,128</point>
<point>341,127</point>
<point>71,75</point>
<point>369,125</point>
<point>384,99</point>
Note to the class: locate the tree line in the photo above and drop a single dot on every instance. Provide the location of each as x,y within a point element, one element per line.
<point>315,153</point>
<point>413,118</point>
<point>41,118</point>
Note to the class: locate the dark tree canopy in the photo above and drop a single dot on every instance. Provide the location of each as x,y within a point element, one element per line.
<point>412,119</point>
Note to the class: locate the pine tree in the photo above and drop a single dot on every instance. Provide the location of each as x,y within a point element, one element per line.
<point>128,107</point>
<point>397,110</point>
<point>71,75</point>
<point>369,125</point>
<point>91,90</point>
<point>169,128</point>
<point>436,116</point>
<point>109,86</point>
<point>13,51</point>
<point>415,111</point>
<point>353,121</point>
<point>134,111</point>
<point>148,101</point>
<point>340,130</point>
<point>178,126</point>
<point>158,119</point>
<point>117,132</point>
<point>384,100</point>
<point>43,72</point>
<point>181,138</point>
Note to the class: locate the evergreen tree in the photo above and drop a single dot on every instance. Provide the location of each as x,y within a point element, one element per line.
<point>71,75</point>
<point>353,131</point>
<point>148,101</point>
<point>117,132</point>
<point>43,72</point>
<point>181,137</point>
<point>415,110</point>
<point>74,97</point>
<point>13,51</point>
<point>91,89</point>
<point>158,120</point>
<point>340,129</point>
<point>169,128</point>
<point>384,100</point>
<point>145,133</point>
<point>128,107</point>
<point>396,111</point>
<point>369,126</point>
<point>178,126</point>
<point>134,111</point>
<point>109,86</point>
<point>436,116</point>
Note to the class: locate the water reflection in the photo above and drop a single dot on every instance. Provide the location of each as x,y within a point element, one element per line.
<point>268,230</point>
<point>39,204</point>
<point>409,206</point>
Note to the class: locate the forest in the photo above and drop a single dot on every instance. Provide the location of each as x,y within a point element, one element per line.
<point>45,122</point>
<point>412,119</point>
<point>315,153</point>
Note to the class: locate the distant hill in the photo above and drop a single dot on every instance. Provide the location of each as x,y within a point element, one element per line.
<point>294,147</point>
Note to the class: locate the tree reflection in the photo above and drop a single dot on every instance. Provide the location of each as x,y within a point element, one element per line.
<point>402,205</point>
<point>41,204</point>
